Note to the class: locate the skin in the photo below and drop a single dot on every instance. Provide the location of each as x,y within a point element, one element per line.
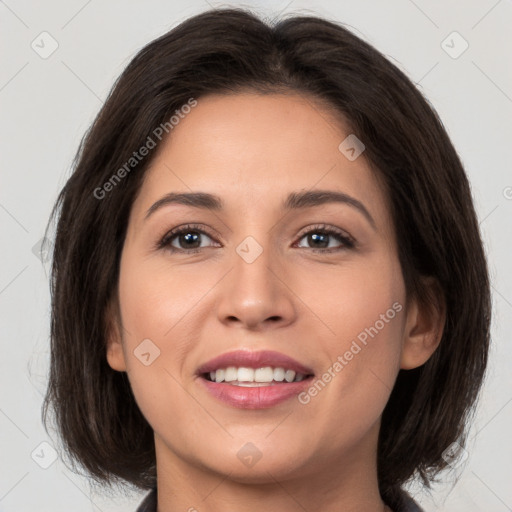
<point>252,150</point>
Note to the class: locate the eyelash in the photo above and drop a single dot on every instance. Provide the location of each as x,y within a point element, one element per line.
<point>347,241</point>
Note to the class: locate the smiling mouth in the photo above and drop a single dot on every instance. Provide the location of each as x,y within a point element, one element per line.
<point>255,377</point>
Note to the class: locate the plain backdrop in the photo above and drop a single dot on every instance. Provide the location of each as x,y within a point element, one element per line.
<point>48,101</point>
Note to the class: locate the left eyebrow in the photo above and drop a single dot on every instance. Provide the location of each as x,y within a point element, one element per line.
<point>294,201</point>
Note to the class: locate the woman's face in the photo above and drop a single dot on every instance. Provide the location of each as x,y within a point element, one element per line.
<point>260,273</point>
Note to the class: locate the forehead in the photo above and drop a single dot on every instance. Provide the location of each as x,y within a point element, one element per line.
<point>253,149</point>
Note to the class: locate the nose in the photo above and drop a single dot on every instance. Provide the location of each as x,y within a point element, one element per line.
<point>257,295</point>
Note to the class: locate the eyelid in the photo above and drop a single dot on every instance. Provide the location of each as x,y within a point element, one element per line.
<point>328,229</point>
<point>164,242</point>
<point>346,239</point>
<point>348,242</point>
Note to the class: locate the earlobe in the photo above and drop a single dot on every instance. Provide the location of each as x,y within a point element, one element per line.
<point>424,327</point>
<point>115,354</point>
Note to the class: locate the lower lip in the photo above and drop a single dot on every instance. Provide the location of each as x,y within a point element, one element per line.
<point>262,397</point>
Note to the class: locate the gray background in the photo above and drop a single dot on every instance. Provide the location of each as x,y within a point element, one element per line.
<point>48,103</point>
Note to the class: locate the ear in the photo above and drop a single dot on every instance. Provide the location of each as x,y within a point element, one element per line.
<point>115,354</point>
<point>424,326</point>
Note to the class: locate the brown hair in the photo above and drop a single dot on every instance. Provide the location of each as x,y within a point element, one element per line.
<point>228,50</point>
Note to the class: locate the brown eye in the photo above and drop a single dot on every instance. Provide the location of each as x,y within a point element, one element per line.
<point>184,239</point>
<point>320,238</point>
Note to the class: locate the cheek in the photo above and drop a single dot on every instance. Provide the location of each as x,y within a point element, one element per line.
<point>154,311</point>
<point>149,304</point>
<point>371,312</point>
<point>162,312</point>
<point>364,308</point>
<point>356,299</point>
<point>160,303</point>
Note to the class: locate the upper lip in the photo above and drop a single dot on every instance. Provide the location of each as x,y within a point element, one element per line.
<point>253,359</point>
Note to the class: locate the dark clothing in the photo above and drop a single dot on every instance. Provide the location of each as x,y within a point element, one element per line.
<point>149,503</point>
<point>404,504</point>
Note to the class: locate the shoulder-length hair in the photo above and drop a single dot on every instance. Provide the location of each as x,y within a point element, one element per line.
<point>230,50</point>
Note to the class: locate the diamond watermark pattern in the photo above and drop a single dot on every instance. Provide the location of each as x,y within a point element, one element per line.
<point>146,352</point>
<point>249,249</point>
<point>455,455</point>
<point>454,45</point>
<point>40,250</point>
<point>44,455</point>
<point>249,454</point>
<point>351,147</point>
<point>44,45</point>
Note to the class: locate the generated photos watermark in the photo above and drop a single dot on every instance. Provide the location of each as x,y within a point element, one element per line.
<point>354,349</point>
<point>139,155</point>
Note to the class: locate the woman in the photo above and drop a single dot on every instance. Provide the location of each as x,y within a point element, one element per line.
<point>269,288</point>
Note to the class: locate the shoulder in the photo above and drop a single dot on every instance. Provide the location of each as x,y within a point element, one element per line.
<point>149,502</point>
<point>404,503</point>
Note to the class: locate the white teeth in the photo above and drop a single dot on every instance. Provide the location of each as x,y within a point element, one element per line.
<point>243,376</point>
<point>289,375</point>
<point>231,374</point>
<point>219,375</point>
<point>264,374</point>
<point>279,374</point>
